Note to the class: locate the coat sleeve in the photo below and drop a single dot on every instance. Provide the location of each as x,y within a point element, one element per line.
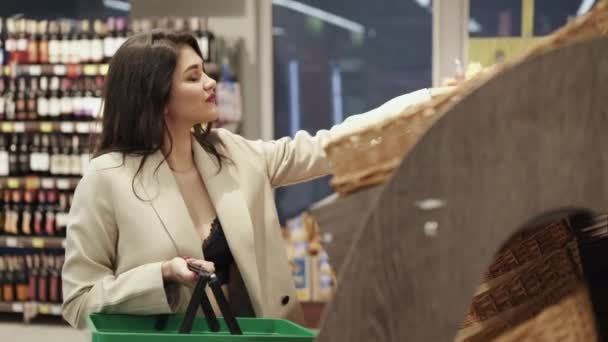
<point>89,282</point>
<point>300,158</point>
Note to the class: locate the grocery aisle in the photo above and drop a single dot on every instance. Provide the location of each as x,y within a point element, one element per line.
<point>48,329</point>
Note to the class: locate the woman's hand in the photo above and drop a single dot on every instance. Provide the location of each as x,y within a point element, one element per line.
<point>176,270</point>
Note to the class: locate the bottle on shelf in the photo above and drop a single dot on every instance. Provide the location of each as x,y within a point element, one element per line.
<point>39,214</point>
<point>27,214</point>
<point>55,166</point>
<point>67,102</point>
<point>2,216</point>
<point>85,43</point>
<point>121,33</point>
<point>9,100</point>
<point>42,99</point>
<point>16,209</point>
<point>109,39</point>
<point>20,109</point>
<point>64,156</point>
<point>54,43</point>
<point>2,100</point>
<point>8,289</point>
<point>44,158</point>
<point>32,276</point>
<point>4,157</point>
<point>2,46</point>
<point>11,42</point>
<point>24,155</point>
<point>74,45</point>
<point>21,281</point>
<point>75,162</point>
<point>42,280</point>
<point>51,210</point>
<point>31,101</point>
<point>43,42</point>
<point>66,53</point>
<point>97,41</point>
<point>2,280</point>
<point>13,157</point>
<point>54,99</point>
<point>22,41</point>
<point>33,42</point>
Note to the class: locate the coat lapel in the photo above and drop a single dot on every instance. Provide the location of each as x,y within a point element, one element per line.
<point>162,191</point>
<point>233,213</point>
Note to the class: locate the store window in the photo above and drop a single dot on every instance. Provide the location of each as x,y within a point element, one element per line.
<point>333,59</point>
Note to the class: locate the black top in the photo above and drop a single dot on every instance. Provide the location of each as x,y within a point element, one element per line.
<point>216,250</point>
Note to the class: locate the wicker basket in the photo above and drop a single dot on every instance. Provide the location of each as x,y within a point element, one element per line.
<point>570,320</point>
<point>529,246</point>
<point>547,277</point>
<point>367,156</point>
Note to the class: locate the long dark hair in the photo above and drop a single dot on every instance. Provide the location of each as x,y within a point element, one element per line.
<point>136,92</point>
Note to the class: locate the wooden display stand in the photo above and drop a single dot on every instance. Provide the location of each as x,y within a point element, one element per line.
<point>526,144</point>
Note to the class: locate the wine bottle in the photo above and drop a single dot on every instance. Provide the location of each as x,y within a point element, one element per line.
<point>75,164</point>
<point>67,108</point>
<point>31,100</point>
<point>2,100</point>
<point>65,45</point>
<point>85,42</point>
<point>24,156</point>
<point>2,45</point>
<point>43,43</point>
<point>54,102</point>
<point>22,41</point>
<point>44,158</point>
<point>55,156</point>
<point>13,157</point>
<point>97,42</point>
<point>27,214</point>
<point>32,43</point>
<point>9,100</point>
<point>108,41</point>
<point>39,213</point>
<point>4,157</point>
<point>20,110</point>
<point>11,42</point>
<point>42,104</point>
<point>54,43</point>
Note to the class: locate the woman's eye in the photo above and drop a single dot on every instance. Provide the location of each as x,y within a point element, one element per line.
<point>193,79</point>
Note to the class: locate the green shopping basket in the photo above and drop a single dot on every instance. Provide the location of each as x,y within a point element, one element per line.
<point>168,328</point>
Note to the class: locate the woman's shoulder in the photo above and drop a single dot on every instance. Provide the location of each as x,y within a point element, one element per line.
<point>106,161</point>
<point>234,143</point>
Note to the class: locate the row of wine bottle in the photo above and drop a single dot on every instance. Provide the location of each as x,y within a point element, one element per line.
<point>39,154</point>
<point>27,41</point>
<point>50,98</point>
<point>34,212</point>
<point>31,277</point>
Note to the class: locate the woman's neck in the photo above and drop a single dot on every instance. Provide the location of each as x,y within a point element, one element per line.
<point>179,154</point>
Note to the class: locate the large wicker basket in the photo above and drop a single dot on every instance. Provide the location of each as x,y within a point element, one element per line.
<point>367,156</point>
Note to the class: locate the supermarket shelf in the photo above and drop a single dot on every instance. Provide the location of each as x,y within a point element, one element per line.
<point>71,70</point>
<point>39,308</point>
<point>32,242</point>
<point>82,127</point>
<point>35,182</point>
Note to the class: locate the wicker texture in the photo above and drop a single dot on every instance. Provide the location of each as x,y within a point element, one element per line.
<point>367,156</point>
<point>570,320</point>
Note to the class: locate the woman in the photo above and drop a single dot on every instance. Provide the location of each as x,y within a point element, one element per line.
<point>159,192</point>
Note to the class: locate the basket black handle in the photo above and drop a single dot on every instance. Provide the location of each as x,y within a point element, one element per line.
<point>200,296</point>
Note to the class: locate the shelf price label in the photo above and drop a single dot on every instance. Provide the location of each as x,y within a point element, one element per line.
<point>37,243</point>
<point>67,127</point>
<point>19,127</point>
<point>35,70</point>
<point>7,127</point>
<point>82,127</point>
<point>63,184</point>
<point>17,307</point>
<point>60,70</point>
<point>56,310</point>
<point>11,242</point>
<point>12,183</point>
<point>46,127</point>
<point>32,183</point>
<point>44,309</point>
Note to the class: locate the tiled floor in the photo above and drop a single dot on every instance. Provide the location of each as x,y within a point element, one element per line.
<point>42,329</point>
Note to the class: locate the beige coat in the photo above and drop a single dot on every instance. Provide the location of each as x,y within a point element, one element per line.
<point>116,241</point>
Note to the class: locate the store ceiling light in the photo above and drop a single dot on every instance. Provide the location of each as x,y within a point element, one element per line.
<point>423,3</point>
<point>117,5</point>
<point>585,7</point>
<point>321,14</point>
